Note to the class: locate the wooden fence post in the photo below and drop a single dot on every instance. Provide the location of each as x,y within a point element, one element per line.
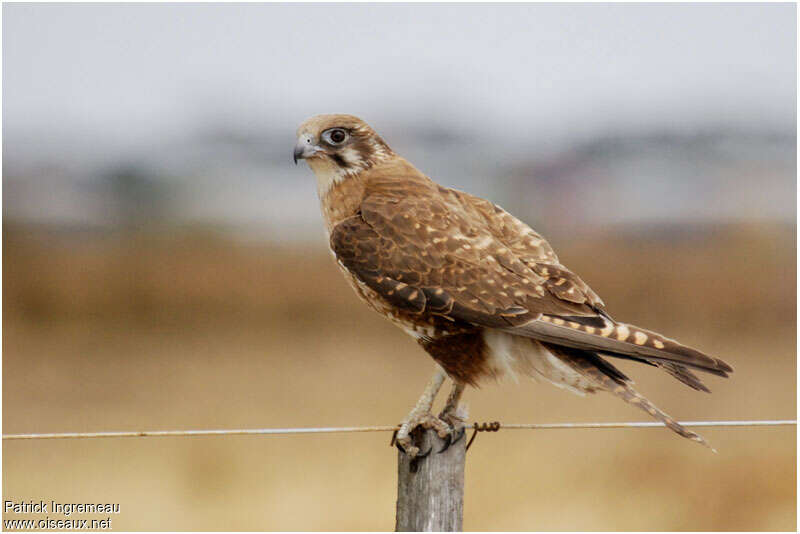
<point>430,494</point>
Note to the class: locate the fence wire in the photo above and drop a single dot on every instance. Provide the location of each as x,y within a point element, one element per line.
<point>386,428</point>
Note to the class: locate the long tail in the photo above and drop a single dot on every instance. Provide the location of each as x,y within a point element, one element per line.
<point>684,375</point>
<point>601,335</point>
<point>608,378</point>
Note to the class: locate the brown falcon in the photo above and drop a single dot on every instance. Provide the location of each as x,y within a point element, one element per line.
<point>480,291</point>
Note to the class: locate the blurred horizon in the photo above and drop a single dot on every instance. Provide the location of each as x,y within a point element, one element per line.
<point>187,114</point>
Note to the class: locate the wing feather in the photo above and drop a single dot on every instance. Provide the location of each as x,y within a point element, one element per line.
<point>620,339</point>
<point>432,250</point>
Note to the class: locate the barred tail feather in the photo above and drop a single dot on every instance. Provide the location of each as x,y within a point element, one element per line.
<point>630,395</point>
<point>606,377</point>
<point>619,340</point>
<point>684,375</point>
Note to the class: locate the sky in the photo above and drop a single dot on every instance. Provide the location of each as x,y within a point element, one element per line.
<point>91,78</point>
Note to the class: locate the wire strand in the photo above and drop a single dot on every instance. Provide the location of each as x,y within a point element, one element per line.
<point>342,429</point>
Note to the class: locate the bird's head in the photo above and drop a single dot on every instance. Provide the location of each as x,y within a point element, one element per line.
<point>339,145</point>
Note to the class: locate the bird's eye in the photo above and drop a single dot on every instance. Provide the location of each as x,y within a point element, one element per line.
<point>335,136</point>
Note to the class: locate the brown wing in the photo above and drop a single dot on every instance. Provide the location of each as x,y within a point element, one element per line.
<point>530,247</point>
<point>402,243</point>
<point>427,252</point>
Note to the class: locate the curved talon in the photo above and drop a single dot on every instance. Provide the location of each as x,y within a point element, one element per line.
<point>401,449</point>
<point>422,455</point>
<point>393,441</point>
<point>460,432</point>
<point>416,456</point>
<point>413,465</point>
<point>409,444</point>
<point>410,432</point>
<point>447,442</point>
<point>397,444</point>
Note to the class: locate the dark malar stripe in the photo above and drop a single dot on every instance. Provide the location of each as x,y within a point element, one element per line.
<point>339,160</point>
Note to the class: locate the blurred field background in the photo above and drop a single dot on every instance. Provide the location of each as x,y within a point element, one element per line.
<point>164,265</point>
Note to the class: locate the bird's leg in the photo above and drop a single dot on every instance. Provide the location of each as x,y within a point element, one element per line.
<point>453,416</point>
<point>421,416</point>
<point>450,412</point>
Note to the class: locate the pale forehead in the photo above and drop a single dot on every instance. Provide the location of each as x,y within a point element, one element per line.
<point>319,123</point>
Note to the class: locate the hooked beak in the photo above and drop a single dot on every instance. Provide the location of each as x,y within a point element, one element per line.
<point>305,148</point>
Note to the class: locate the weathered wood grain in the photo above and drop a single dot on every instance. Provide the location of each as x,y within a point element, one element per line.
<point>430,491</point>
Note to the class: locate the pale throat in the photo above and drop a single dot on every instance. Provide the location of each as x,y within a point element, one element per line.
<point>327,174</point>
<point>340,192</point>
